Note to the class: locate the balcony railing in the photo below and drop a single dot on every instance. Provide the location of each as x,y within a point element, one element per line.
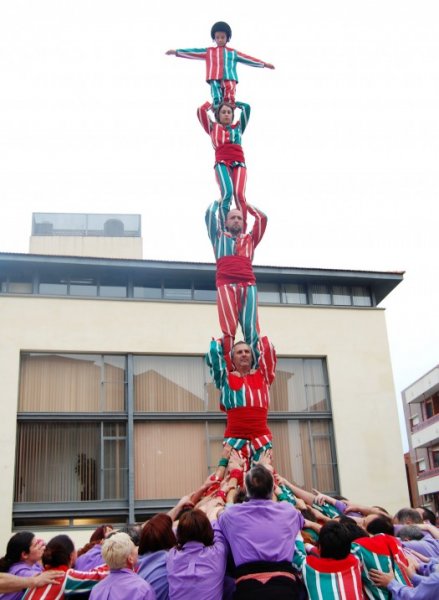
<point>425,423</point>
<point>429,473</point>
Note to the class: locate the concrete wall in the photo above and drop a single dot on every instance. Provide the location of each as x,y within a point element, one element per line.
<point>354,341</point>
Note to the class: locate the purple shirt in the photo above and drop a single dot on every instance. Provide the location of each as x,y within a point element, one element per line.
<point>342,506</point>
<point>122,584</point>
<point>427,588</point>
<point>152,568</point>
<point>427,546</point>
<point>261,530</point>
<point>197,571</point>
<point>22,569</point>
<point>90,560</point>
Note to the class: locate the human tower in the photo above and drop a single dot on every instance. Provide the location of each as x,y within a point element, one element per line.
<point>242,371</point>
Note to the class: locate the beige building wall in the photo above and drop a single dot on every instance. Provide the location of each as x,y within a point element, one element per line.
<point>354,341</point>
<point>75,245</point>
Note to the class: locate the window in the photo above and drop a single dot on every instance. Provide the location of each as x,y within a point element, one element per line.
<point>301,385</point>
<point>169,384</point>
<point>421,465</point>
<point>435,458</point>
<point>206,295</point>
<point>431,406</point>
<point>89,423</point>
<point>152,293</point>
<point>320,294</point>
<point>57,383</point>
<point>361,296</point>
<point>414,420</point>
<point>268,292</point>
<point>341,295</point>
<point>177,293</point>
<point>294,293</point>
<point>70,462</point>
<point>157,284</point>
<point>83,287</point>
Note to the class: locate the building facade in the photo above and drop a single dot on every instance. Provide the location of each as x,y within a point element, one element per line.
<point>421,408</point>
<point>108,411</point>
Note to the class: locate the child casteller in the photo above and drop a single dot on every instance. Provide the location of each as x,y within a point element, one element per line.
<point>221,63</point>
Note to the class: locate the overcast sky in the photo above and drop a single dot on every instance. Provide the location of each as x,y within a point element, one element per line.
<point>342,145</point>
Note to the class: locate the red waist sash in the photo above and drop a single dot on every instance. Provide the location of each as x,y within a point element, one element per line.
<point>229,153</point>
<point>247,422</point>
<point>234,269</point>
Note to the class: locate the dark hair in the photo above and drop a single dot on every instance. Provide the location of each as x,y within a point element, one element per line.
<point>99,534</point>
<point>240,343</point>
<point>132,530</point>
<point>194,526</point>
<point>381,524</point>
<point>352,527</point>
<point>217,110</point>
<point>407,515</point>
<point>223,27</point>
<point>259,483</point>
<point>20,542</point>
<point>410,532</point>
<point>58,551</point>
<point>240,496</point>
<point>157,534</point>
<point>428,515</point>
<point>334,541</point>
<point>308,514</point>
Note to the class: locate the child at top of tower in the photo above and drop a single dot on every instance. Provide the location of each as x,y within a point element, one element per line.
<point>221,63</point>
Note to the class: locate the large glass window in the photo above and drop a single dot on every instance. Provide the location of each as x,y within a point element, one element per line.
<point>304,452</point>
<point>301,385</point>
<point>72,383</point>
<point>169,384</point>
<point>156,415</point>
<point>70,462</point>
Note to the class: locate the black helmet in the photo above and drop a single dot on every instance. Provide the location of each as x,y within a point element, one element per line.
<point>223,27</point>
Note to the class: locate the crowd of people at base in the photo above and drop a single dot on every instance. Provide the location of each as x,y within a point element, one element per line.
<point>242,535</point>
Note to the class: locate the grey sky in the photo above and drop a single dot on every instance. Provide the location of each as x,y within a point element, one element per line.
<point>342,145</point>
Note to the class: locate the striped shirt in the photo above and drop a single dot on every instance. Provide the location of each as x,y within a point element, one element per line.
<point>224,134</point>
<point>380,552</point>
<point>247,394</point>
<point>72,582</point>
<point>330,579</point>
<point>225,244</point>
<point>221,62</point>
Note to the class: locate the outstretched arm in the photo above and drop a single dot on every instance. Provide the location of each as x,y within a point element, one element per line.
<point>259,225</point>
<point>250,61</point>
<point>14,583</point>
<point>193,53</point>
